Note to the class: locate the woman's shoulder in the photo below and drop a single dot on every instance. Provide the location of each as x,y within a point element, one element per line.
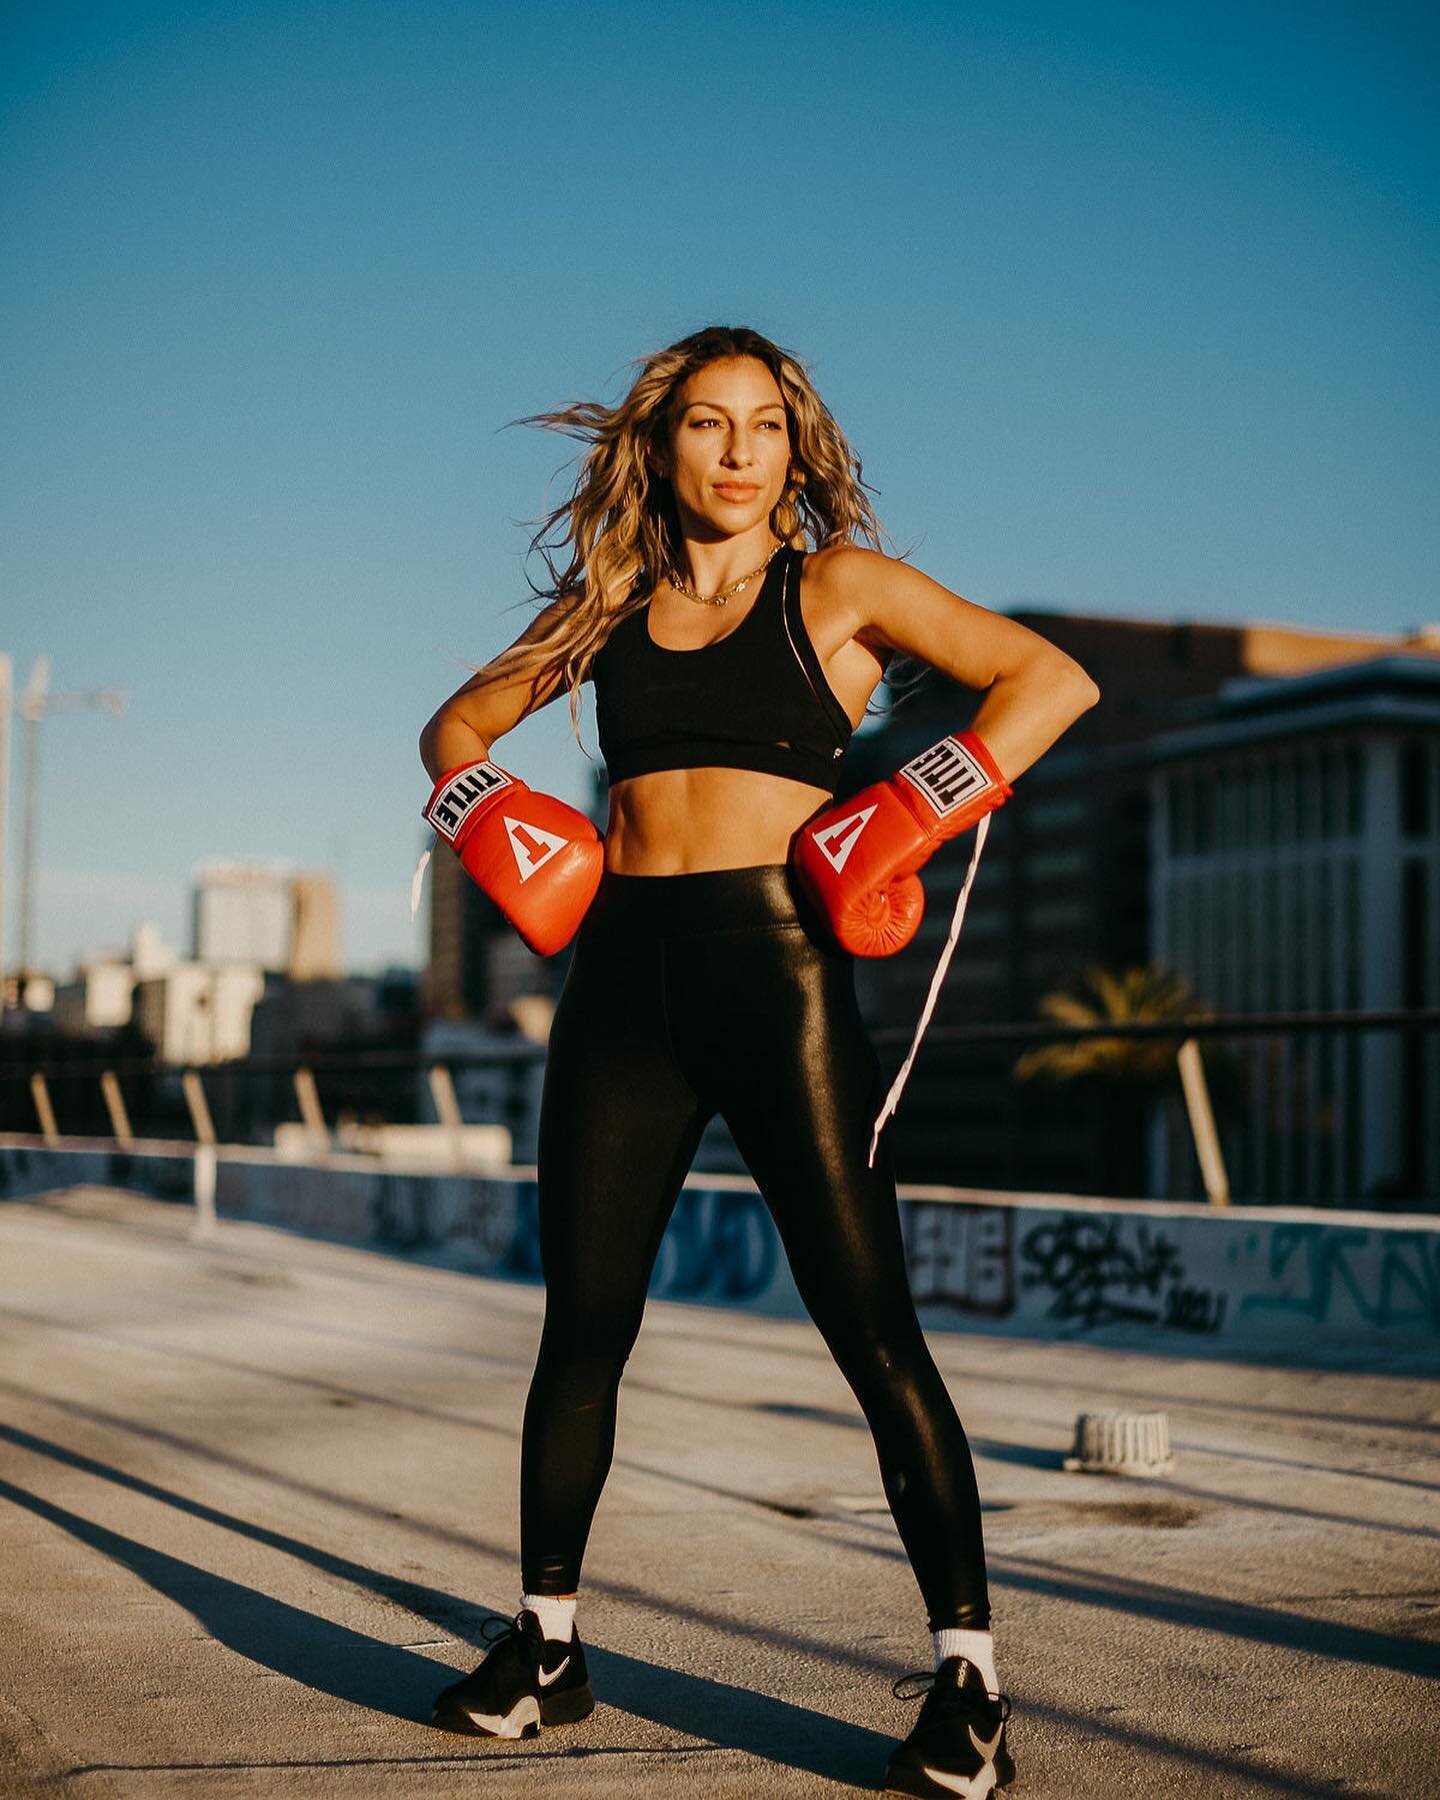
<point>844,570</point>
<point>841,581</point>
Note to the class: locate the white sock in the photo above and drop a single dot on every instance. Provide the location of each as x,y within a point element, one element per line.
<point>976,1647</point>
<point>557,1617</point>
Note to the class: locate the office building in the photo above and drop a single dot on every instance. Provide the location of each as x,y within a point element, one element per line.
<point>1064,884</point>
<point>1295,867</point>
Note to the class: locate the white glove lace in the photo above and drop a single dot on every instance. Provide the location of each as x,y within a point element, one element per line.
<point>892,1099</point>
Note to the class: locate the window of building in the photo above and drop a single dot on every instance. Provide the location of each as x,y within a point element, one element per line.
<point>1355,790</point>
<point>1259,829</point>
<point>1221,939</point>
<point>1307,772</point>
<point>1204,816</point>
<point>1414,914</point>
<point>1173,942</point>
<point>1284,798</point>
<point>1220,789</point>
<point>1246,884</point>
<point>1332,776</point>
<point>1269,801</point>
<point>1416,784</point>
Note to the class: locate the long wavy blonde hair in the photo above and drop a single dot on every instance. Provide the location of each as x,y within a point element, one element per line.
<point>618,533</point>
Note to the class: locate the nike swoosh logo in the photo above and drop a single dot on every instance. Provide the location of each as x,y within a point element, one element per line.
<point>555,1675</point>
<point>968,1787</point>
<point>978,1785</point>
<point>987,1750</point>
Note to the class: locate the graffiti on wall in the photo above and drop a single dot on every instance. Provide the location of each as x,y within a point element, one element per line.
<point>400,1212</point>
<point>960,1256</point>
<point>719,1244</point>
<point>486,1221</point>
<point>1389,1282</point>
<point>1076,1271</point>
<point>15,1174</point>
<point>1102,1270</point>
<point>161,1177</point>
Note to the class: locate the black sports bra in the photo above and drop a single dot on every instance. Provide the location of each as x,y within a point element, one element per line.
<point>756,698</point>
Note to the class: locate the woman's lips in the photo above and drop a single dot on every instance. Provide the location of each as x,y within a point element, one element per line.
<point>736,490</point>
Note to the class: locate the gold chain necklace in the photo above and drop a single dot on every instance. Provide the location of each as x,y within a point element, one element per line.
<point>719,599</point>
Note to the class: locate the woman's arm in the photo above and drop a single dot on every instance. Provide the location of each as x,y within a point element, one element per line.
<point>503,831</point>
<point>1033,691</point>
<point>466,726</point>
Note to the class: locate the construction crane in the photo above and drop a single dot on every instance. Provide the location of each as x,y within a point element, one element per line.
<point>33,705</point>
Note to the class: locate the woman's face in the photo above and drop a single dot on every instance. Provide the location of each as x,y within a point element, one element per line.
<point>729,448</point>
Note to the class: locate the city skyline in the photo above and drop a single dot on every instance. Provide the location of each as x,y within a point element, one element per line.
<point>1127,316</point>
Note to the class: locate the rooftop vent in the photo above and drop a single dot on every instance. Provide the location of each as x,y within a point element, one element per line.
<point>1121,1443</point>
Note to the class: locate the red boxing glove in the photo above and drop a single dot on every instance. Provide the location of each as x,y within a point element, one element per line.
<point>857,860</point>
<point>538,859</point>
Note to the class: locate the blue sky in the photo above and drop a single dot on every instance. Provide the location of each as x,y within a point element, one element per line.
<point>1128,309</point>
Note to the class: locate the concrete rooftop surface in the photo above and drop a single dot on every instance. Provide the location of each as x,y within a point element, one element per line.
<point>260,1495</point>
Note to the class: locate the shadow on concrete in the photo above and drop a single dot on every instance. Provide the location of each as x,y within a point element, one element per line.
<point>309,1383</point>
<point>1022,1456</point>
<point>311,1650</point>
<point>1380,1365</point>
<point>1230,1618</point>
<point>395,1681</point>
<point>1027,1456</point>
<point>1033,1456</point>
<point>1290,1462</point>
<point>332,1659</point>
<point>1239,1619</point>
<point>388,1340</point>
<point>1091,1392</point>
<point>1234,1618</point>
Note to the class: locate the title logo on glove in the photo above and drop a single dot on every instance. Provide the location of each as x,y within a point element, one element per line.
<point>947,775</point>
<point>531,847</point>
<point>450,808</point>
<point>836,841</point>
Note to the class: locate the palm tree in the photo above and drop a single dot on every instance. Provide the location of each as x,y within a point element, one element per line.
<point>1146,992</point>
<point>1134,1069</point>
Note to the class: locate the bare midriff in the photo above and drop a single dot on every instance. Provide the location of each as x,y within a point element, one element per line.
<point>681,821</point>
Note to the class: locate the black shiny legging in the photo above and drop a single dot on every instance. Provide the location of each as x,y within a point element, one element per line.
<point>689,995</point>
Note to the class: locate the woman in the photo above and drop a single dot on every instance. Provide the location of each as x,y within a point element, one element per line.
<point>713,970</point>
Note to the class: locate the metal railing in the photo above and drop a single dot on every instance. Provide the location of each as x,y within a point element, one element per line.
<point>81,1095</point>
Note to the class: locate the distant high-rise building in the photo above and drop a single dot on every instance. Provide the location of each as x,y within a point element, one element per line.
<point>478,966</point>
<point>98,997</point>
<point>264,915</point>
<point>197,1013</point>
<point>243,912</point>
<point>315,930</point>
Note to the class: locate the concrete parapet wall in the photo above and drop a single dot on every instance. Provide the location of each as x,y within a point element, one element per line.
<point>1036,1264</point>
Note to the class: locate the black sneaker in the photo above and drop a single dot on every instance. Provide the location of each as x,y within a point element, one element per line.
<point>526,1680</point>
<point>957,1745</point>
